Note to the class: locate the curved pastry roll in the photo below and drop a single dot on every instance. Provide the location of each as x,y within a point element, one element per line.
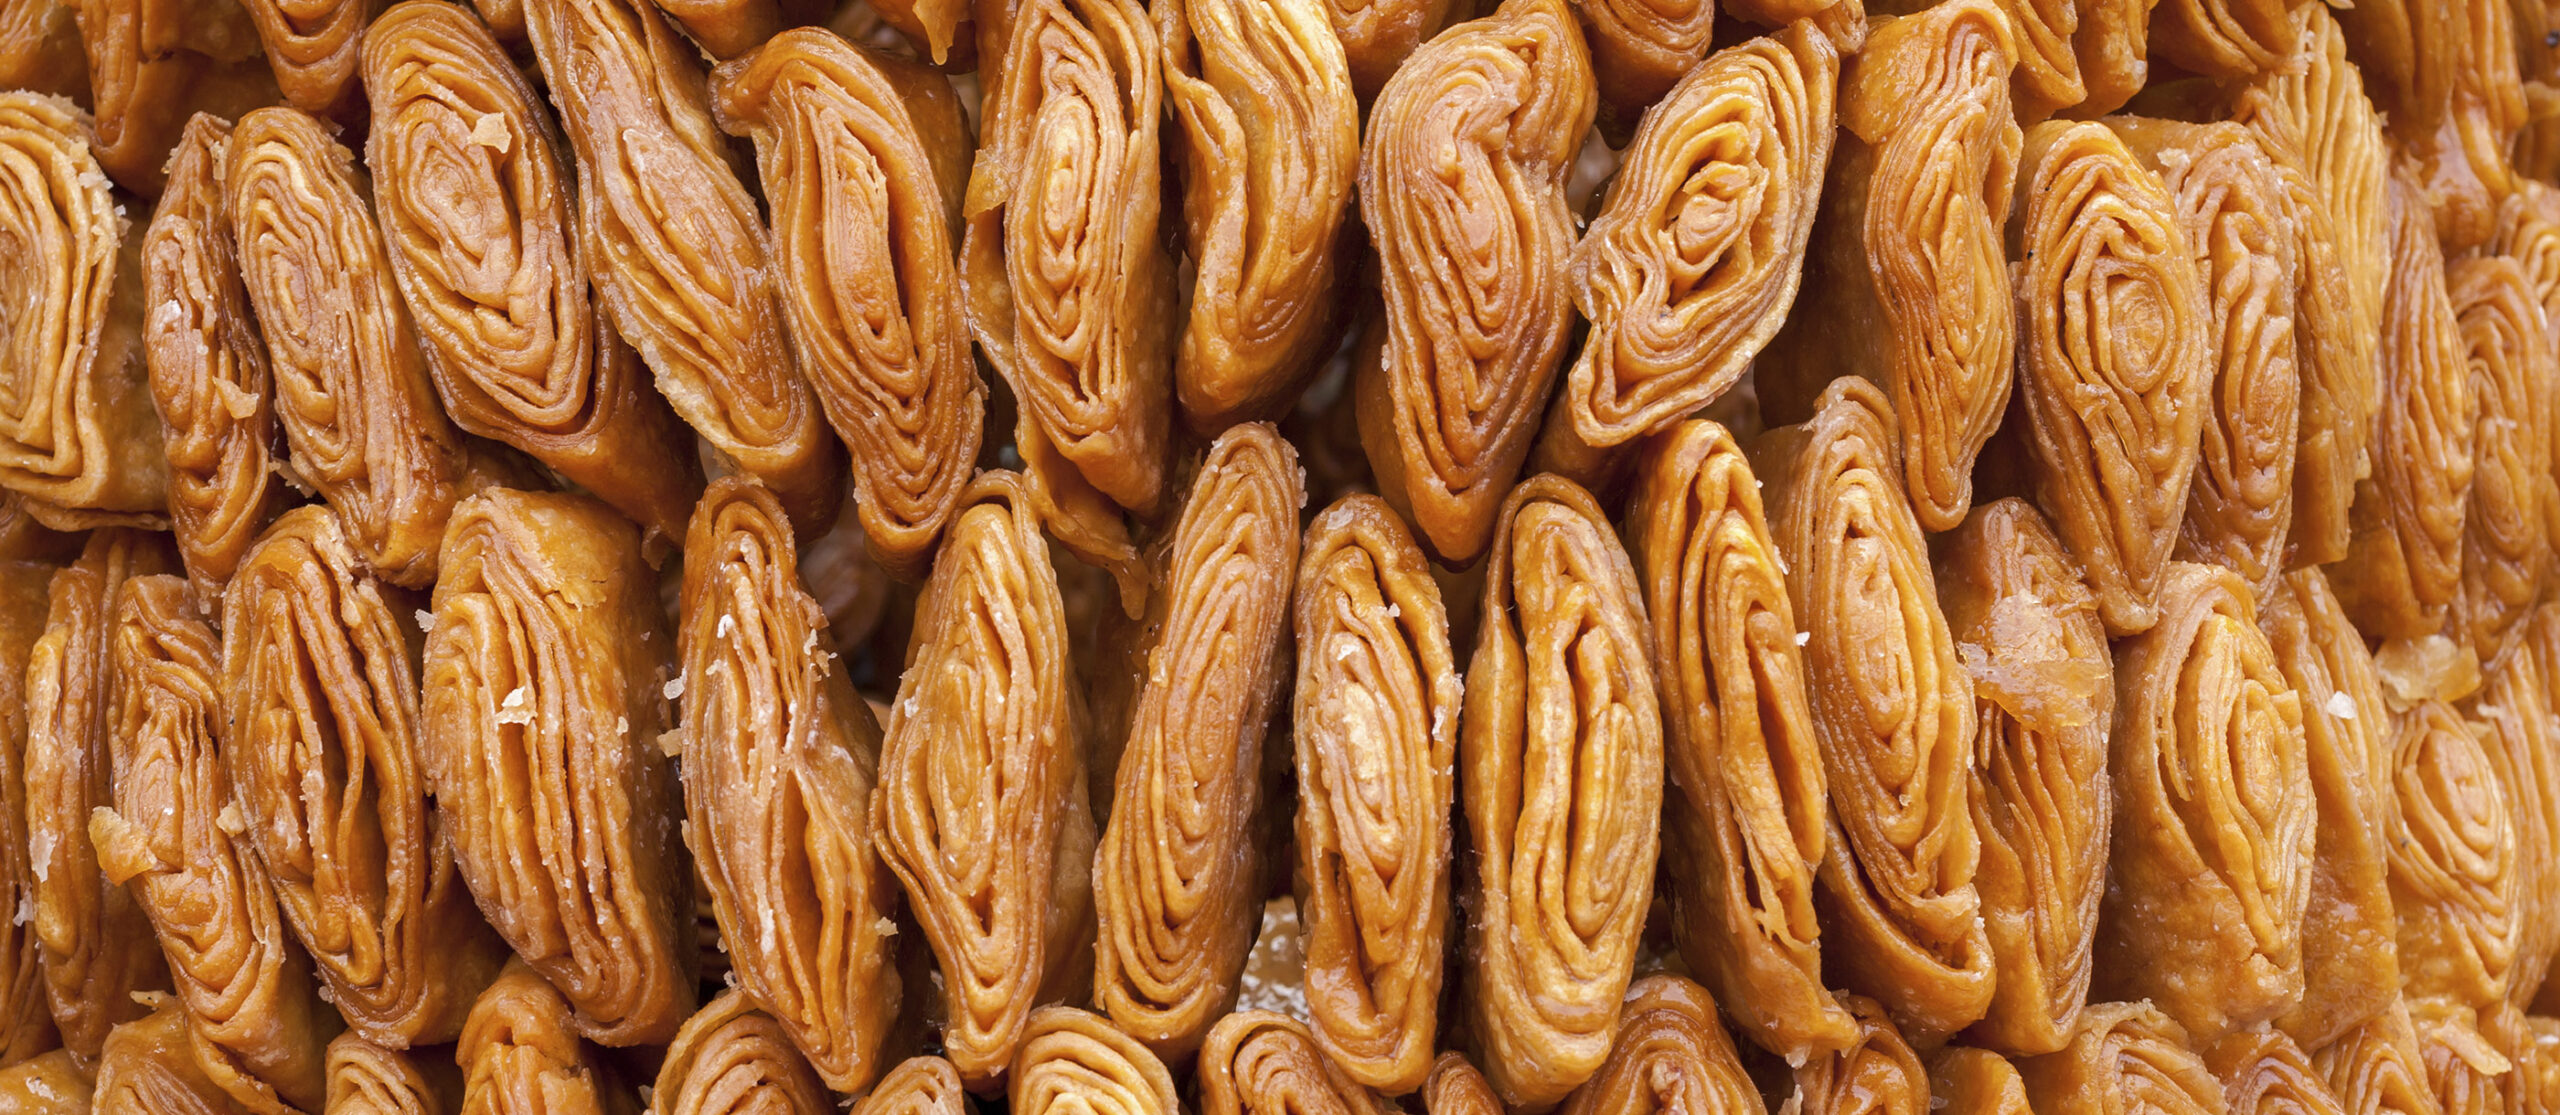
<point>1076,1061</point>
<point>1909,283</point>
<point>1070,290</point>
<point>77,437</point>
<point>175,837</point>
<point>2124,1059</point>
<point>320,692</point>
<point>2264,1073</point>
<point>779,757</point>
<point>2113,42</point>
<point>2374,1067</point>
<point>2514,367</point>
<point>2531,1044</point>
<point>95,939</point>
<point>1378,35</point>
<point>918,1086</point>
<point>26,1014</point>
<point>1376,727</point>
<point>1896,720</point>
<point>1177,881</point>
<point>2454,874</point>
<point>520,1055</point>
<point>2463,1069</point>
<point>40,48</point>
<point>2026,627</point>
<point>1694,260</point>
<point>863,240</point>
<point>539,723</point>
<point>1750,812</point>
<point>315,48</point>
<point>732,1059</point>
<point>2529,233</point>
<point>152,63</point>
<point>1976,1082</point>
<point>1560,774</point>
<point>2117,359</point>
<point>208,368</point>
<point>366,1079</point>
<point>1462,183</point>
<point>478,215</point>
<point>351,383</point>
<point>1672,1056</point>
<point>146,1069</point>
<point>1876,1072</point>
<point>677,250</point>
<point>1259,1062</point>
<point>2444,76</point>
<point>1456,1088</point>
<point>981,808</point>
<point>48,1084</point>
<point>1641,48</point>
<point>729,28</point>
<point>2513,717</point>
<point>2224,38</point>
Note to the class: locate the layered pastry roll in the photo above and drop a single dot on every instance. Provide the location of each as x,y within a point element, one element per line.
<point>853,147</point>
<point>539,725</point>
<point>1177,881</point>
<point>2116,362</point>
<point>729,28</point>
<point>1378,35</point>
<point>676,248</point>
<point>2531,1044</point>
<point>152,63</point>
<point>1071,292</point>
<point>1672,1056</point>
<point>2113,44</point>
<point>2047,78</point>
<point>1478,305</point>
<point>2374,1067</point>
<point>982,809</point>
<point>2455,881</point>
<point>208,367</point>
<point>1269,143</point>
<point>732,1059</point>
<point>2264,1073</point>
<point>95,940</point>
<point>2463,1069</point>
<point>1641,48</point>
<point>78,440</point>
<point>2225,38</point>
<point>1263,1063</point>
<point>351,382</point>
<point>1896,720</point>
<point>1909,284</point>
<point>1456,1088</point>
<point>2514,365</point>
<point>26,1014</point>
<point>320,695</point>
<point>40,48</point>
<point>2026,627</point>
<point>926,1085</point>
<point>1560,774</point>
<point>2214,814</point>
<point>1976,1082</point>
<point>779,756</point>
<point>479,217</point>
<point>520,1055</point>
<point>2444,77</point>
<point>48,1084</point>
<point>1877,1071</point>
<point>2124,1059</point>
<point>1749,815</point>
<point>1693,262</point>
<point>147,1069</point>
<point>315,48</point>
<point>1076,1061</point>
<point>367,1079</point>
<point>175,837</point>
<point>2529,233</point>
<point>1376,727</point>
<point>2513,716</point>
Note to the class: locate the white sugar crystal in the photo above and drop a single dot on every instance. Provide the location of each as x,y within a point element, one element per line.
<point>675,687</point>
<point>1803,637</point>
<point>230,820</point>
<point>490,131</point>
<point>40,854</point>
<point>728,623</point>
<point>426,622</point>
<point>2340,705</point>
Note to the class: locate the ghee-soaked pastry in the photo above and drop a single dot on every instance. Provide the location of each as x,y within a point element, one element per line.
<point>1258,1062</point>
<point>926,1085</point>
<point>1376,726</point>
<point>2454,875</point>
<point>2113,43</point>
<point>2264,1073</point>
<point>731,1059</point>
<point>2214,815</point>
<point>2531,1045</point>
<point>676,248</point>
<point>1270,141</point>
<point>367,1079</point>
<point>539,725</point>
<point>77,436</point>
<point>1462,182</point>
<point>153,62</point>
<point>320,693</point>
<point>2513,717</point>
<point>2047,77</point>
<point>863,240</point>
<point>2026,627</point>
<point>1973,1081</point>
<point>1560,776</point>
<point>1695,257</point>
<point>2374,1068</point>
<point>25,538</point>
<point>26,1015</point>
<point>981,808</point>
<point>1177,880</point>
<point>95,939</point>
<point>2124,1059</point>
<point>1896,718</point>
<point>1073,1060</point>
<point>1377,35</point>
<point>2463,1068</point>
<point>2514,367</point>
<point>729,28</point>
<point>2444,77</point>
<point>779,757</point>
<point>1070,290</point>
<point>2224,38</point>
<point>1876,1072</point>
<point>1455,1087</point>
<point>315,48</point>
<point>350,380</point>
<point>175,837</point>
<point>40,47</point>
<point>48,1084</point>
<point>2350,966</point>
<point>2529,233</point>
<point>208,368</point>
<point>2239,224</point>
<point>147,1069</point>
<point>520,1055</point>
<point>2117,359</point>
<point>1672,1056</point>
<point>1641,48</point>
<point>479,217</point>
<point>1749,812</point>
<point>1909,282</point>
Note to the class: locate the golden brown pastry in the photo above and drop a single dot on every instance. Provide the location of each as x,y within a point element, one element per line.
<point>1376,726</point>
<point>49,1084</point>
<point>146,1069</point>
<point>925,1085</point>
<point>366,1079</point>
<point>520,1055</point>
<point>1750,812</point>
<point>2463,1068</point>
<point>729,28</point>
<point>314,47</point>
<point>2374,1068</point>
<point>1560,776</point>
<point>2513,717</point>
<point>40,47</point>
<point>1456,1088</point>
<point>2531,1045</point>
<point>320,692</point>
<point>77,437</point>
<point>2225,38</point>
<point>152,63</point>
<point>26,1015</point>
<point>732,1059</point>
<point>779,756</point>
<point>676,248</point>
<point>2514,367</point>
<point>2454,876</point>
<point>1641,48</point>
<point>2444,77</point>
<point>1264,1063</point>
<point>1377,35</point>
<point>1178,881</point>
<point>478,215</point>
<point>2264,1073</point>
<point>981,808</point>
<point>1896,718</point>
<point>2113,43</point>
<point>1876,1072</point>
<point>1672,1056</point>
<point>24,538</point>
<point>1477,301</point>
<point>1908,283</point>
<point>2529,233</point>
<point>2124,1059</point>
<point>1976,1082</point>
<point>1076,1061</point>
